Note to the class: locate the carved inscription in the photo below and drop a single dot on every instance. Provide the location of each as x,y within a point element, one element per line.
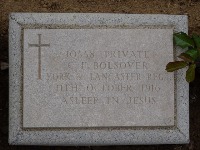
<point>98,72</point>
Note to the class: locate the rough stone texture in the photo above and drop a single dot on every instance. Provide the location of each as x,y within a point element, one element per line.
<point>90,136</point>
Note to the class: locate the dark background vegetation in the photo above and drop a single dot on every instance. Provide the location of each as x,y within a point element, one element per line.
<point>177,7</point>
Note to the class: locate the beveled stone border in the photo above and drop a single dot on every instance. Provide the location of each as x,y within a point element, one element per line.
<point>34,26</point>
<point>89,136</point>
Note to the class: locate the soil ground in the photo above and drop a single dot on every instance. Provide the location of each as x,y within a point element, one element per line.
<point>187,7</point>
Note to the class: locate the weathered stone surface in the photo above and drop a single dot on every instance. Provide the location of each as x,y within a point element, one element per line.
<point>96,79</point>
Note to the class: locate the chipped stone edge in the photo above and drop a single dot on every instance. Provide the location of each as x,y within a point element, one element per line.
<point>78,137</point>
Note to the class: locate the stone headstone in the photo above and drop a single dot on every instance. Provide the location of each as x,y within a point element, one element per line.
<point>96,79</point>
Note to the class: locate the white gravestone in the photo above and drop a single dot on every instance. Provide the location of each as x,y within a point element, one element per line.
<point>96,79</point>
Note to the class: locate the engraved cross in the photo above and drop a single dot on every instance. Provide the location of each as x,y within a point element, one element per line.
<point>39,45</point>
